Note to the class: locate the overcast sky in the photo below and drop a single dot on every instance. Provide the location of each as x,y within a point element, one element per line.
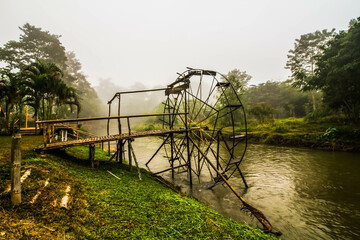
<point>149,41</point>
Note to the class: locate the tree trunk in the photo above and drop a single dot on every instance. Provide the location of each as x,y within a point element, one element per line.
<point>313,100</point>
<point>7,112</point>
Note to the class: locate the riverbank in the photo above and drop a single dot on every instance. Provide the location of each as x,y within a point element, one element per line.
<point>333,134</point>
<point>100,204</point>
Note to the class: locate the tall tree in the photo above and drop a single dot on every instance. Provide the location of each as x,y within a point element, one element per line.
<point>75,77</point>
<point>33,44</point>
<point>338,72</point>
<point>302,59</point>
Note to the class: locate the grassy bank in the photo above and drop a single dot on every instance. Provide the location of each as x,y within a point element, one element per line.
<point>101,206</point>
<point>326,133</point>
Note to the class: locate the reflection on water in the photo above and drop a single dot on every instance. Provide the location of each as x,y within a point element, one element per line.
<point>306,194</point>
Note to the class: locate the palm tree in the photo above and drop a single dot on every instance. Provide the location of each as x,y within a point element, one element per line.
<point>45,87</point>
<point>12,92</point>
<point>40,78</point>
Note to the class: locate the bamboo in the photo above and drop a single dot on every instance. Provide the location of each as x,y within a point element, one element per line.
<point>136,163</point>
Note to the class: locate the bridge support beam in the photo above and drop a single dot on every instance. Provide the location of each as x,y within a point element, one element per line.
<point>92,155</point>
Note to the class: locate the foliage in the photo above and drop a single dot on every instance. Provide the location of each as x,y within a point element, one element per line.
<point>330,133</point>
<point>239,80</point>
<point>338,72</point>
<point>285,100</point>
<point>12,93</point>
<point>34,44</point>
<point>262,111</point>
<point>44,82</point>
<point>230,95</point>
<point>302,59</point>
<point>87,96</point>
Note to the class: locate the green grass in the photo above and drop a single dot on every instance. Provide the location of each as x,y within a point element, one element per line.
<point>104,207</point>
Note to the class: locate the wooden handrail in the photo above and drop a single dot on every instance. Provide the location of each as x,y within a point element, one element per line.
<point>104,118</point>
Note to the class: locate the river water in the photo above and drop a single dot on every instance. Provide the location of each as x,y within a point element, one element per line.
<point>305,194</point>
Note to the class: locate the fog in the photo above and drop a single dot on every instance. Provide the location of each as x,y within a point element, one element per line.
<point>149,41</point>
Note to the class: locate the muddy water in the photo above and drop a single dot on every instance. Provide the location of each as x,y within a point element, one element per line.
<point>306,194</point>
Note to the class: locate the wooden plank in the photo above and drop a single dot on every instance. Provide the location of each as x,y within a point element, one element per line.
<point>240,137</point>
<point>234,161</point>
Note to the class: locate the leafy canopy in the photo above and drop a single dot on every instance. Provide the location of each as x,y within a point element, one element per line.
<point>338,72</point>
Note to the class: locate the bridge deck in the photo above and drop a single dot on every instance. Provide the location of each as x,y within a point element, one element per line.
<point>111,138</point>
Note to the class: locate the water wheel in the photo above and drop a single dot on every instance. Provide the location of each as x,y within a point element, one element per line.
<point>215,120</point>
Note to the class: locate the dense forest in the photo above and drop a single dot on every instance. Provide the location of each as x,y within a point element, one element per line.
<point>38,73</point>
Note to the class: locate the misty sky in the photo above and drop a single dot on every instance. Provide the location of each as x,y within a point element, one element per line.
<point>149,41</point>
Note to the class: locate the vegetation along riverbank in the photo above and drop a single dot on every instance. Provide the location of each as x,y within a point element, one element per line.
<point>99,204</point>
<point>331,133</point>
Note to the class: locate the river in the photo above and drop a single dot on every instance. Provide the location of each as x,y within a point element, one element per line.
<point>305,194</point>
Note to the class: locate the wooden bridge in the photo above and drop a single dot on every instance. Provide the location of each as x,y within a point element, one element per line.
<point>51,127</point>
<point>123,136</point>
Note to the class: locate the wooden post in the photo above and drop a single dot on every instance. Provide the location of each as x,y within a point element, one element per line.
<point>187,140</point>
<point>129,143</point>
<point>108,128</point>
<point>120,144</point>
<point>136,163</point>
<point>129,152</point>
<point>92,154</point>
<point>15,169</point>
<point>26,117</point>
<point>218,153</point>
<point>53,133</point>
<point>172,154</point>
<point>36,124</point>
<point>48,133</point>
<point>77,130</point>
<point>44,134</point>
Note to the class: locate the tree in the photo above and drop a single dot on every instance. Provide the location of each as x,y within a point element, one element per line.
<point>11,92</point>
<point>239,80</point>
<point>88,97</point>
<point>230,95</point>
<point>34,43</point>
<point>338,72</point>
<point>262,111</point>
<point>285,100</point>
<point>302,59</point>
<point>45,87</point>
